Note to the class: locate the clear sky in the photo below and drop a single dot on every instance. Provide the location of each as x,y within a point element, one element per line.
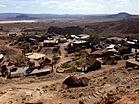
<point>69,6</point>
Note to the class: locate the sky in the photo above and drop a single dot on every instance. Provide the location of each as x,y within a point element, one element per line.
<point>69,6</point>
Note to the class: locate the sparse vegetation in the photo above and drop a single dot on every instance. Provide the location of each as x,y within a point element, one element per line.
<point>20,60</point>
<point>94,39</point>
<point>77,53</point>
<point>78,63</point>
<point>65,65</point>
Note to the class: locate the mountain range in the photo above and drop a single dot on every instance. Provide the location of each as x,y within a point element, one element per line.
<point>21,16</point>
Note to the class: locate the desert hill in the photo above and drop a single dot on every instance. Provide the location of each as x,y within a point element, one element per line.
<point>125,26</point>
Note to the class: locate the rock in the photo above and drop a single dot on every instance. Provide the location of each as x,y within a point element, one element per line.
<point>83,81</point>
<point>73,81</point>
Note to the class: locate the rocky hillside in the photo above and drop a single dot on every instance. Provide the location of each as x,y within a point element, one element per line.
<point>125,26</point>
<point>66,30</point>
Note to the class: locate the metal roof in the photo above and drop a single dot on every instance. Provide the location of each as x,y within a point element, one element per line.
<point>35,55</point>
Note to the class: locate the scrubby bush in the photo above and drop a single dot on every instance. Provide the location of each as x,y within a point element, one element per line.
<point>95,39</point>
<point>77,53</point>
<point>78,63</point>
<point>20,60</point>
<point>65,65</point>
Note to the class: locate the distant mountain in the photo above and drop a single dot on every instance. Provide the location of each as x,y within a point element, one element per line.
<point>15,16</point>
<point>8,15</point>
<point>22,17</point>
<point>121,15</point>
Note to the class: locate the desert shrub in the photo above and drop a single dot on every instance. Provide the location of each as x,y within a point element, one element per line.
<point>95,39</point>
<point>133,37</point>
<point>77,53</point>
<point>27,47</point>
<point>7,51</point>
<point>62,40</point>
<point>65,65</point>
<point>120,50</point>
<point>78,63</point>
<point>20,60</point>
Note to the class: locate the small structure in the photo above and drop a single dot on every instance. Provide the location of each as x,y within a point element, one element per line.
<point>109,57</point>
<point>83,36</point>
<point>80,36</point>
<point>114,40</point>
<point>131,43</point>
<point>25,71</point>
<point>124,49</point>
<point>50,43</point>
<point>132,63</point>
<point>111,46</point>
<point>62,40</point>
<point>38,60</point>
<point>12,34</point>
<point>38,64</point>
<point>35,56</point>
<point>76,45</point>
<point>74,37</point>
<point>32,40</point>
<point>90,63</point>
<point>137,56</point>
<point>97,53</point>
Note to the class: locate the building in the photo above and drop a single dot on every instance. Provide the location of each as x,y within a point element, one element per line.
<point>50,43</point>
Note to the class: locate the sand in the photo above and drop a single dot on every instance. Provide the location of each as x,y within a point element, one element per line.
<point>18,21</point>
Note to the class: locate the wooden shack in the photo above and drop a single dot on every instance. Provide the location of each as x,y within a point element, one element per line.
<point>90,63</point>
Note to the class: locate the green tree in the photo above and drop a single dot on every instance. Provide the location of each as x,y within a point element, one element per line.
<point>94,39</point>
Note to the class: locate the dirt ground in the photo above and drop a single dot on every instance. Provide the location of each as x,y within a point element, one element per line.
<point>109,85</point>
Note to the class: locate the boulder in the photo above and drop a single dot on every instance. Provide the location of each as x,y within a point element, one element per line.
<point>73,81</point>
<point>83,81</point>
